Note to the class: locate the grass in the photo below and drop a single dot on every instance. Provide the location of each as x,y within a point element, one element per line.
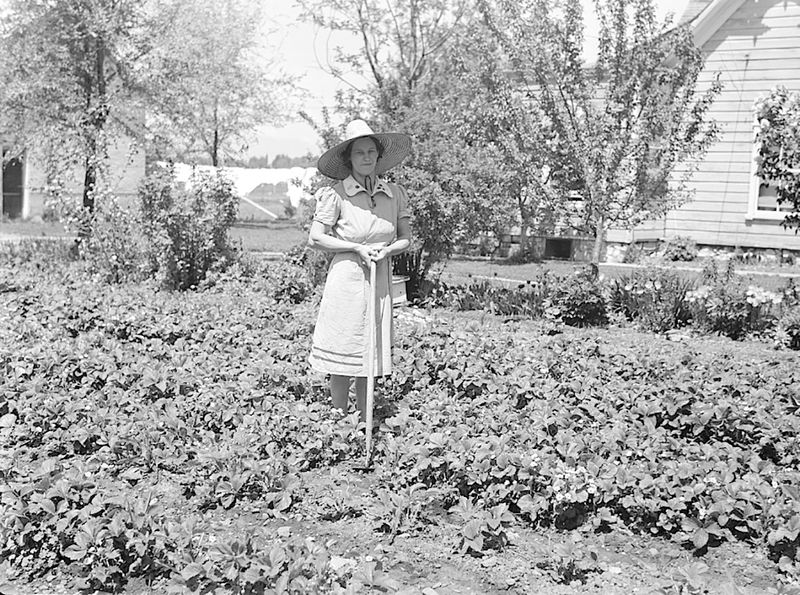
<point>282,235</point>
<point>273,236</point>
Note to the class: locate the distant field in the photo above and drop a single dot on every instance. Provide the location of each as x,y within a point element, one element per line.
<point>276,236</point>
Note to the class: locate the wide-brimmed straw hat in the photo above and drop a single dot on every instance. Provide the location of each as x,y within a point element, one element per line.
<point>396,147</point>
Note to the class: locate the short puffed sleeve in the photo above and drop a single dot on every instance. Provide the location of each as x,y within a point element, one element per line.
<point>402,202</point>
<point>328,206</point>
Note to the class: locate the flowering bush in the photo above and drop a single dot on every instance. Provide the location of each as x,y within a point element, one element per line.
<point>654,299</point>
<point>722,305</point>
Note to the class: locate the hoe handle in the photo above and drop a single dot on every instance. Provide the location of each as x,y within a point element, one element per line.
<point>371,340</point>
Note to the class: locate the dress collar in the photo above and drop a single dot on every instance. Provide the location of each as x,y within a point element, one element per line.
<point>351,187</point>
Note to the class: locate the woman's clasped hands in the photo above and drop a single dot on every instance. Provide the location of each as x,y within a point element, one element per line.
<point>372,252</point>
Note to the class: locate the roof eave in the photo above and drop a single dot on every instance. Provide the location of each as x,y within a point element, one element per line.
<point>712,18</point>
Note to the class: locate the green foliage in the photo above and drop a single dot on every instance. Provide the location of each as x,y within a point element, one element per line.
<point>187,230</point>
<point>655,299</point>
<point>627,122</point>
<point>132,418</point>
<point>115,251</point>
<point>212,76</point>
<point>778,159</point>
<point>572,561</point>
<point>680,248</point>
<point>530,299</point>
<point>723,305</point>
<point>314,262</point>
<point>483,529</point>
<point>788,328</point>
<point>569,432</point>
<point>75,97</point>
<point>125,407</point>
<point>578,301</point>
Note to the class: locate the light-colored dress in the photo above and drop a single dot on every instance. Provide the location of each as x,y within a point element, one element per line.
<point>341,333</point>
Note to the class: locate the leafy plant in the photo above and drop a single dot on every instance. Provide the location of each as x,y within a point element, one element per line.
<point>653,298</point>
<point>571,561</point>
<point>187,230</point>
<point>578,301</point>
<point>680,248</point>
<point>484,529</point>
<point>723,305</point>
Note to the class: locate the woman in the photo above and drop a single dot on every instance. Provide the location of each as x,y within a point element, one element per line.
<point>362,218</point>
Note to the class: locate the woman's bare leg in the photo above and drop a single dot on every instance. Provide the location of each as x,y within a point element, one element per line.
<point>340,387</point>
<point>361,397</point>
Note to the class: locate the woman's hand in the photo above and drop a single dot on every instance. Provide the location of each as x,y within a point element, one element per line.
<point>371,252</point>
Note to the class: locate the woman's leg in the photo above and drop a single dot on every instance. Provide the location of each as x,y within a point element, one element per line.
<point>340,387</point>
<point>361,397</point>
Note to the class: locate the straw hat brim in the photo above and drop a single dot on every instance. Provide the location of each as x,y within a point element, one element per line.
<point>396,147</point>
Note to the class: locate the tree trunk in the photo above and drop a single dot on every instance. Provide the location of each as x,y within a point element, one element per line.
<point>597,250</point>
<point>215,149</point>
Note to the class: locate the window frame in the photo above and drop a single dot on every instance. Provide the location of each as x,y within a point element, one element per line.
<point>753,213</point>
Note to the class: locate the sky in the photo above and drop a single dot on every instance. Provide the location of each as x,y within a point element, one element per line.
<point>303,49</point>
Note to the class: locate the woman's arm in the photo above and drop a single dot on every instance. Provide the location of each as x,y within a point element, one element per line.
<point>319,237</point>
<point>403,240</point>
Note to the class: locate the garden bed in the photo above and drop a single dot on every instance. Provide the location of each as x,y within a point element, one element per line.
<point>154,439</point>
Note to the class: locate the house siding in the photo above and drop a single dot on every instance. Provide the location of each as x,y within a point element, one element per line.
<point>753,51</point>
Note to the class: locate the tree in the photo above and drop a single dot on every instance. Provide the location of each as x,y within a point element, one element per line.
<point>399,41</point>
<point>66,89</point>
<point>455,176</point>
<point>627,122</point>
<point>778,144</point>
<point>212,80</point>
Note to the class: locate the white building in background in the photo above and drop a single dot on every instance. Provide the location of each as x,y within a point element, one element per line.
<point>265,193</point>
<point>23,187</point>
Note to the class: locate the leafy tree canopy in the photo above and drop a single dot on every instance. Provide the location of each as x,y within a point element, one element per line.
<point>627,121</point>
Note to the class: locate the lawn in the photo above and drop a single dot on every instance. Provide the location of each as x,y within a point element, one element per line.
<point>150,438</point>
<point>275,237</point>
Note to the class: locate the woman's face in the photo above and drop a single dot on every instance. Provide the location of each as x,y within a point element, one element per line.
<point>364,156</point>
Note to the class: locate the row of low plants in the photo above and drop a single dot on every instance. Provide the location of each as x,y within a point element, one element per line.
<point>654,299</point>
<point>570,431</point>
<point>128,415</point>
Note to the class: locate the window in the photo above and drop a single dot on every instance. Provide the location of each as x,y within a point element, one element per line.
<point>763,201</point>
<point>767,200</point>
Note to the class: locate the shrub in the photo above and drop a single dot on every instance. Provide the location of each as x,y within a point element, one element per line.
<point>654,298</point>
<point>788,328</point>
<point>187,230</point>
<point>578,301</point>
<point>290,282</point>
<point>314,262</point>
<point>680,248</point>
<point>115,250</point>
<point>723,305</point>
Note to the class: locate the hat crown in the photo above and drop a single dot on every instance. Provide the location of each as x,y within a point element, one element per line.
<point>357,128</point>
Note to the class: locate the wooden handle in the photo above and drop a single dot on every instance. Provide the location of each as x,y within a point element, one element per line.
<point>371,340</point>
